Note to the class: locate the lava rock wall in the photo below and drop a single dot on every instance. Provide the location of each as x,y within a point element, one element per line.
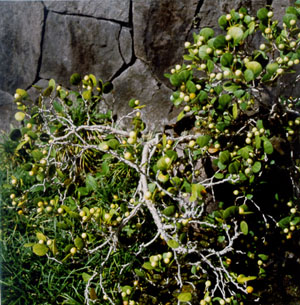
<point>129,42</point>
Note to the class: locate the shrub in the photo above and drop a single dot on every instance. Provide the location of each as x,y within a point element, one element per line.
<point>195,216</point>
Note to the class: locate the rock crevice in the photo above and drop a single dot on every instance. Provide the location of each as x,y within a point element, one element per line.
<point>129,42</point>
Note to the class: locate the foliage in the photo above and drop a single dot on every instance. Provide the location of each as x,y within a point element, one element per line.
<point>108,216</point>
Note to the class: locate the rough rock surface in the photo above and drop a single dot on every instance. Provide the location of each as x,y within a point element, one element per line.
<point>20,41</point>
<point>138,82</point>
<point>210,11</point>
<point>117,40</point>
<point>160,29</point>
<point>7,111</point>
<point>279,7</point>
<point>80,44</point>
<point>106,9</point>
<point>126,45</point>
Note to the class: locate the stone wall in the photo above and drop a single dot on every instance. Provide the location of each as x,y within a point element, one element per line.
<point>129,42</point>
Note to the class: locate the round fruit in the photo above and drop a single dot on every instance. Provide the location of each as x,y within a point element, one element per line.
<point>127,155</point>
<point>249,289</point>
<point>73,250</point>
<point>148,195</point>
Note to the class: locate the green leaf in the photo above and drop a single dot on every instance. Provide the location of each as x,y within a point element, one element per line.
<point>202,96</point>
<point>47,92</point>
<point>224,100</point>
<point>207,33</point>
<point>295,221</point>
<point>188,57</point>
<point>219,175</point>
<point>292,10</point>
<point>202,52</point>
<point>234,167</point>
<point>244,152</point>
<point>86,277</point>
<point>263,257</point>
<point>53,247</point>
<point>174,80</point>
<point>23,93</point>
<point>287,18</point>
<point>169,211</point>
<point>226,59</point>
<point>196,191</point>
<point>162,164</point>
<point>241,279</point>
<point>148,266</point>
<point>41,236</point>
<point>272,68</point>
<point>221,239</point>
<point>257,142</point>
<point>57,107</point>
<point>40,249</point>
<point>91,182</point>
<point>268,147</point>
<point>62,94</point>
<point>113,143</point>
<point>20,116</point>
<point>139,273</point>
<point>284,222</point>
<point>191,87</point>
<point>184,76</point>
<point>259,124</point>
<point>224,157</point>
<point>52,83</point>
<point>262,14</point>
<point>78,242</point>
<point>244,227</point>
<point>75,79</point>
<point>251,27</point>
<point>15,135</point>
<point>180,116</point>
<point>256,167</point>
<point>87,94</point>
<point>222,21</point>
<point>32,134</point>
<point>235,110</point>
<point>236,33</point>
<point>37,155</point>
<point>255,67</point>
<point>230,87</point>
<point>210,65</point>
<point>28,245</point>
<point>173,243</point>
<point>230,211</point>
<point>93,79</point>
<point>249,75</point>
<point>219,42</point>
<point>184,297</point>
<point>131,103</point>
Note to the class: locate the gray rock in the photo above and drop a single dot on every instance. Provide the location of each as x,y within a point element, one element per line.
<point>34,93</point>
<point>20,39</point>
<point>7,111</point>
<point>125,45</point>
<point>210,11</point>
<point>160,29</point>
<point>80,44</point>
<point>137,82</point>
<point>108,9</point>
<point>279,7</point>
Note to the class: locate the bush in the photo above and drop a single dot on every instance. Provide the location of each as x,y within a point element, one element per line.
<point>194,215</point>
